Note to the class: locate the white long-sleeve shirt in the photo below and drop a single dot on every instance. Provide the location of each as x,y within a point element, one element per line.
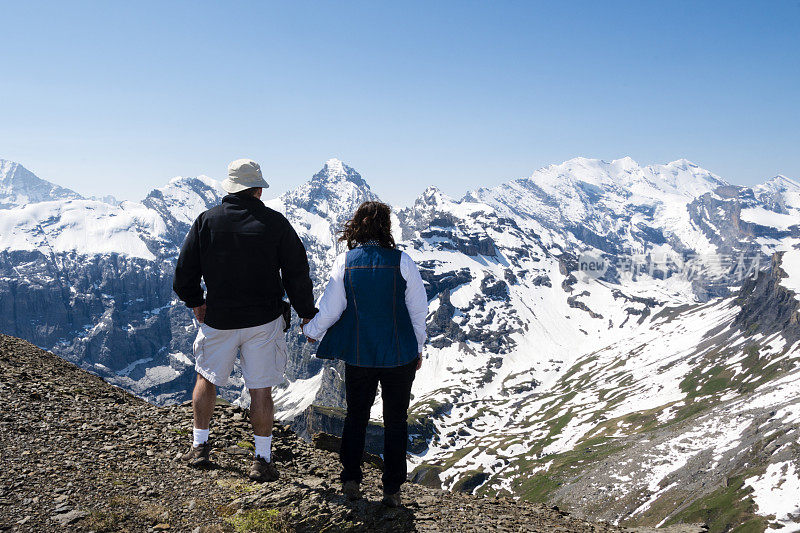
<point>334,300</point>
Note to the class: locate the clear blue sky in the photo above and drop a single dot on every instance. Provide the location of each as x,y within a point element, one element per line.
<point>117,97</point>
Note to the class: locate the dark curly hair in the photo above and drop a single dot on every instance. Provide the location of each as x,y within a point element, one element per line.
<point>370,222</point>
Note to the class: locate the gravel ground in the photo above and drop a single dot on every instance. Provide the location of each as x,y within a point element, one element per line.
<point>81,455</point>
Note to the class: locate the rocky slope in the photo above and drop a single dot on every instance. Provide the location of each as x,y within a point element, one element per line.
<point>82,455</point>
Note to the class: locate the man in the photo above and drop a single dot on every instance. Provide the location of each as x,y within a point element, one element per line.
<point>248,255</point>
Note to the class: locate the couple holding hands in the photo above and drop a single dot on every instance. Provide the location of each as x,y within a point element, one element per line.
<point>371,315</point>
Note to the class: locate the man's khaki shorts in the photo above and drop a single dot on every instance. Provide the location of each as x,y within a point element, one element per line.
<point>263,354</point>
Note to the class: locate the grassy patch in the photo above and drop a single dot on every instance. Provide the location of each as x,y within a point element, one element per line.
<point>551,410</point>
<point>537,488</point>
<point>246,444</point>
<point>428,474</point>
<point>429,408</point>
<point>104,521</point>
<point>456,456</point>
<point>420,421</point>
<point>557,425</point>
<point>756,370</point>
<point>257,521</point>
<point>756,525</point>
<point>152,512</point>
<point>699,383</point>
<point>574,369</point>
<point>724,509</point>
<point>470,480</point>
<point>687,411</point>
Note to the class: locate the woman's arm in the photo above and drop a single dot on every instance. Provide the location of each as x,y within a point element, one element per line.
<point>416,298</point>
<point>331,305</point>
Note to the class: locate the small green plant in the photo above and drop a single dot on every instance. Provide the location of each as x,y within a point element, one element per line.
<point>104,521</point>
<point>256,521</point>
<point>246,444</point>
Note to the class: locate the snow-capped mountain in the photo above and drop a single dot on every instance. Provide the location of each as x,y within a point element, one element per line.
<point>19,186</point>
<point>318,209</point>
<point>641,393</point>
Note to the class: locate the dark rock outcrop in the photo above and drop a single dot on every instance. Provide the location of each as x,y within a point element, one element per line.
<point>767,306</point>
<point>494,289</point>
<point>322,419</point>
<point>446,281</point>
<point>573,301</point>
<point>442,330</point>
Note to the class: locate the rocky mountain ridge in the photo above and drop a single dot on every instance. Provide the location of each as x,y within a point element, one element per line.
<point>534,366</point>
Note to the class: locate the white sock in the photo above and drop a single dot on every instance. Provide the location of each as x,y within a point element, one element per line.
<point>200,436</point>
<point>264,447</point>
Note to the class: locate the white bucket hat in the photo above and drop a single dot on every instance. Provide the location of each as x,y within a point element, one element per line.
<point>243,174</point>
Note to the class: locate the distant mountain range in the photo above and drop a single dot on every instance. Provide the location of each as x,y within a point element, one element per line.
<point>662,388</point>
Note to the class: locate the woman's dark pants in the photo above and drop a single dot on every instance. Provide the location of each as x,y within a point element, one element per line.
<point>361,384</point>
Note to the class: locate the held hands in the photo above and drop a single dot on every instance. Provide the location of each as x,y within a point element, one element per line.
<point>200,313</point>
<point>308,339</point>
<point>419,361</point>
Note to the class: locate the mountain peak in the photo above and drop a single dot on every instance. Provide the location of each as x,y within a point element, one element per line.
<point>335,166</point>
<point>183,198</point>
<point>20,186</point>
<point>431,196</point>
<point>192,182</point>
<point>780,183</point>
<point>682,163</point>
<point>335,191</point>
<point>679,177</point>
<point>334,171</point>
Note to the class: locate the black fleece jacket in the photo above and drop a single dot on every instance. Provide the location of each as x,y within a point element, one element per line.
<point>248,255</point>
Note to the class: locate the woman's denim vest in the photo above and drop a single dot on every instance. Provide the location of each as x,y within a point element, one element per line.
<point>375,328</point>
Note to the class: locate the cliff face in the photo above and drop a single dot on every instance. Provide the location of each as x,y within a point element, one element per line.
<point>767,306</point>
<point>82,455</point>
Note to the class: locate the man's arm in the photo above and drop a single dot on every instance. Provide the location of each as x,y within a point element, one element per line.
<point>295,274</point>
<point>186,283</point>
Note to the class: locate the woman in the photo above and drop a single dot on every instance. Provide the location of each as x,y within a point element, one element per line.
<point>372,316</point>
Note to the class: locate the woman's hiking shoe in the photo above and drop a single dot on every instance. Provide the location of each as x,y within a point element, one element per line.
<point>391,500</point>
<point>263,470</point>
<point>352,489</point>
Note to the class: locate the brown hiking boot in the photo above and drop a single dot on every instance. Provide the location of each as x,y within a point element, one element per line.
<point>391,500</point>
<point>198,456</point>
<point>262,470</point>
<point>352,489</point>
